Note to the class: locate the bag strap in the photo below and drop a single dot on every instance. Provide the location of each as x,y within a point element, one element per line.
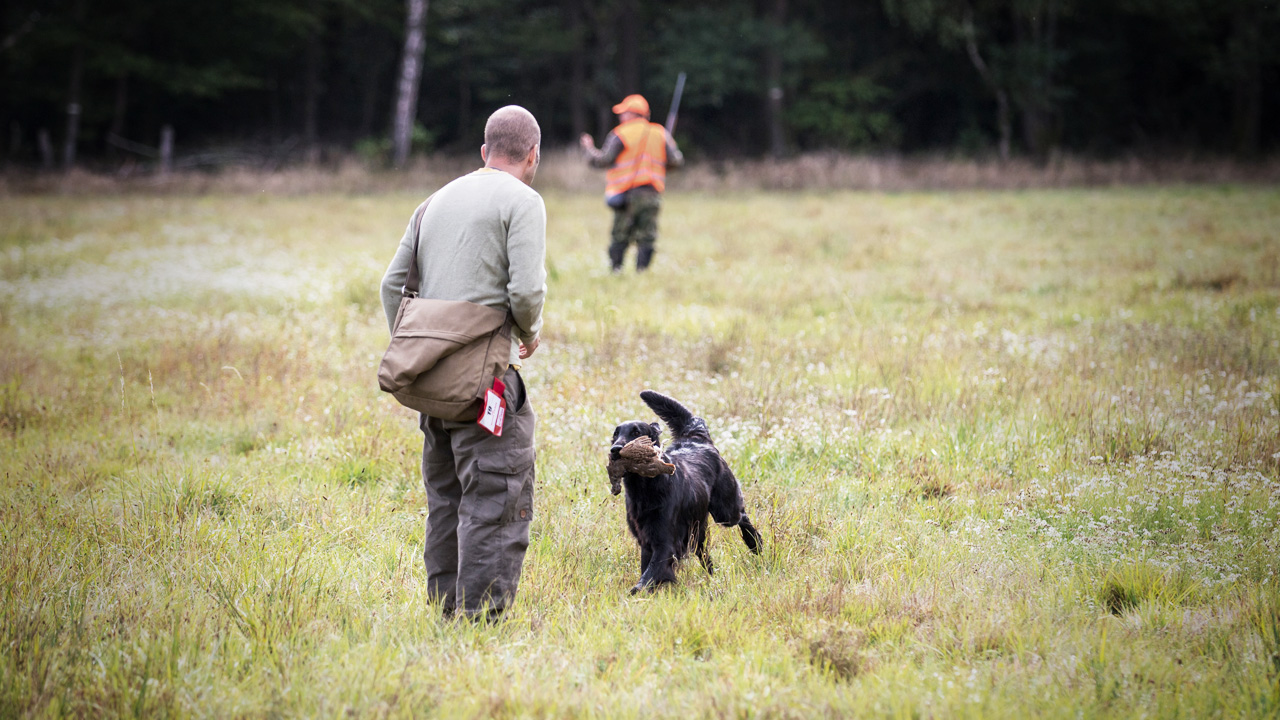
<point>415,277</point>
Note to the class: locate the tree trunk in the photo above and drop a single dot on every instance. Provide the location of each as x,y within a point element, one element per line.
<point>73,92</point>
<point>277,112</point>
<point>45,145</point>
<point>1005,124</point>
<point>371,92</point>
<point>410,78</point>
<point>1025,92</point>
<point>1002,98</point>
<point>629,47</point>
<point>311,100</point>
<point>166,149</point>
<point>577,70</point>
<point>118,112</point>
<point>121,108</point>
<point>464,98</point>
<point>773,80</point>
<point>369,100</point>
<point>72,137</point>
<point>1246,81</point>
<point>1035,37</point>
<point>605,94</point>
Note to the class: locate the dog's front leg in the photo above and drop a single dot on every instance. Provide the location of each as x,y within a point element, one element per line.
<point>646,558</point>
<point>659,571</point>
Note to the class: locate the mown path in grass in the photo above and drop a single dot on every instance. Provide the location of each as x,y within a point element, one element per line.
<point>1011,453</point>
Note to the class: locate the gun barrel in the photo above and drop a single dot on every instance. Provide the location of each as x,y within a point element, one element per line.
<point>675,104</point>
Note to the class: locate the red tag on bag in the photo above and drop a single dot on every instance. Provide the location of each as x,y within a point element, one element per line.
<point>494,410</point>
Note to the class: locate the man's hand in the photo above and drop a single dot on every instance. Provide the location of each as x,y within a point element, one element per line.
<point>586,142</point>
<point>527,349</point>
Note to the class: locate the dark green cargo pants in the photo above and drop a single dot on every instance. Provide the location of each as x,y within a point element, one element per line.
<point>479,504</point>
<point>636,222</point>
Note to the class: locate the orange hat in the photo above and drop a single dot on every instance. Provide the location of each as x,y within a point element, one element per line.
<point>632,103</point>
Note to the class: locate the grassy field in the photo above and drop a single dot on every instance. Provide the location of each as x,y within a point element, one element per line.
<point>1012,454</point>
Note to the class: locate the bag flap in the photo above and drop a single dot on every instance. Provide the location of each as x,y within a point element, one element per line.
<point>455,320</point>
<point>428,331</point>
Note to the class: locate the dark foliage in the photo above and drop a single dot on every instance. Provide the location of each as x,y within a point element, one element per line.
<point>297,79</point>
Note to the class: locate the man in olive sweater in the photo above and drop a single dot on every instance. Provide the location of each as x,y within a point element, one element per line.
<point>482,240</point>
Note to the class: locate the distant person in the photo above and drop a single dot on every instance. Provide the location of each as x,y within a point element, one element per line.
<point>637,153</point>
<point>482,240</point>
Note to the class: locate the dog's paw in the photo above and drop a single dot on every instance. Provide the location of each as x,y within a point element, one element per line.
<point>651,586</point>
<point>647,586</point>
<point>644,586</point>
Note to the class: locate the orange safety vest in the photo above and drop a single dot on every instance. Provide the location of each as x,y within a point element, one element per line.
<point>643,160</point>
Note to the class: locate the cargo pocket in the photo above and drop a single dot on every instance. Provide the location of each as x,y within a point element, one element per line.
<point>506,487</point>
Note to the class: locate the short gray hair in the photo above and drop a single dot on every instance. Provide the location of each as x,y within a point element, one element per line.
<point>511,133</point>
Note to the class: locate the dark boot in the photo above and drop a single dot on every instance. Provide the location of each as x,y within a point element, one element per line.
<point>616,251</point>
<point>644,255</point>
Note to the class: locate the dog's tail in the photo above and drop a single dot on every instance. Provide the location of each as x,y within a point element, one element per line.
<point>676,416</point>
<point>750,535</point>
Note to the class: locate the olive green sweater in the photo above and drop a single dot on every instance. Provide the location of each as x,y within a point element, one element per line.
<point>483,240</point>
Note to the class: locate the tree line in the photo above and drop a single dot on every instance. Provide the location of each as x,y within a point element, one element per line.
<point>105,81</point>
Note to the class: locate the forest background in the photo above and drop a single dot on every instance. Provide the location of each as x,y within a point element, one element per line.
<point>270,83</point>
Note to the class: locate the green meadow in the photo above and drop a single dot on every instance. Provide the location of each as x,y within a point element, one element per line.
<point>1012,454</point>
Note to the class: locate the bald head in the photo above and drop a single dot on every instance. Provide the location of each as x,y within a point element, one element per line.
<point>511,133</point>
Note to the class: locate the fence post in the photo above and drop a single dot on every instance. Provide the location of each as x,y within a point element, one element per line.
<point>46,148</point>
<point>166,149</point>
<point>15,139</point>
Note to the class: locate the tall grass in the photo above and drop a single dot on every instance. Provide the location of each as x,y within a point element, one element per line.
<point>1011,453</point>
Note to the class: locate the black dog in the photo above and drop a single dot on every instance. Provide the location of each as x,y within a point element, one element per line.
<point>667,514</point>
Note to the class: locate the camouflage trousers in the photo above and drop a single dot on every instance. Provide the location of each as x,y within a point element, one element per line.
<point>636,222</point>
<point>479,504</point>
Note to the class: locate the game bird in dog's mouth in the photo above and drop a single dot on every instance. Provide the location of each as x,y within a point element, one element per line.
<point>671,491</point>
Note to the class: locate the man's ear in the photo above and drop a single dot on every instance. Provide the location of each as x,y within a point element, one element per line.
<point>484,154</point>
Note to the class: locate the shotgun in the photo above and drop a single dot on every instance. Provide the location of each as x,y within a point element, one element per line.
<point>675,104</point>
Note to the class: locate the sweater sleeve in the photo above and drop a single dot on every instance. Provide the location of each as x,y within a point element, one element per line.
<point>608,153</point>
<point>527,253</point>
<point>397,272</point>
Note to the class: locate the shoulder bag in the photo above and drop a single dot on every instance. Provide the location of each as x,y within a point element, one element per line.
<point>443,354</point>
